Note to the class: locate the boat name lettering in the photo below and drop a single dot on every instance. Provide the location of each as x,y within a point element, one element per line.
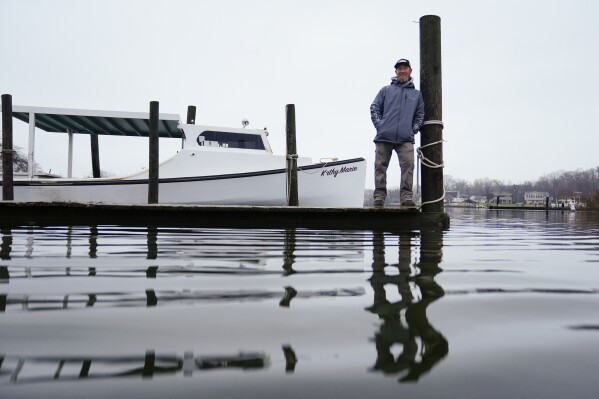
<point>334,172</point>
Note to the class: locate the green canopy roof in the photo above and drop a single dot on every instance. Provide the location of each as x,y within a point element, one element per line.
<point>98,122</point>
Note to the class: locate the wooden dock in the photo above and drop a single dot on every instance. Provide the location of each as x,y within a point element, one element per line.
<point>72,213</point>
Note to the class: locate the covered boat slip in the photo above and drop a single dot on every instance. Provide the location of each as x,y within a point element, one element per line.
<point>335,188</point>
<point>92,122</point>
<point>214,166</point>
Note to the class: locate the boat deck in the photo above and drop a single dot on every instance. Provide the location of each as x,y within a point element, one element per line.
<point>71,213</point>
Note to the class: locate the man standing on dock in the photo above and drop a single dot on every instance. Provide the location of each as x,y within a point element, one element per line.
<point>397,113</point>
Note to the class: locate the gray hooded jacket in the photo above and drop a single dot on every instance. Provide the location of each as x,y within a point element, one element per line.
<point>397,112</point>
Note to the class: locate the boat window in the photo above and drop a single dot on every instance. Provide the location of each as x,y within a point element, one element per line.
<point>232,140</point>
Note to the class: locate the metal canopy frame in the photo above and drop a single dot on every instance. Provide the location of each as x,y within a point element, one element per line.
<point>81,121</point>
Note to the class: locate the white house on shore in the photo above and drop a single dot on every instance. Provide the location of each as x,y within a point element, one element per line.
<point>535,197</point>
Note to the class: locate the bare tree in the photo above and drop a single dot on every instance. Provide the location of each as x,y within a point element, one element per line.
<point>19,161</point>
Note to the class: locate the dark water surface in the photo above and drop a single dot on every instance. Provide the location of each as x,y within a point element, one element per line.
<point>505,304</point>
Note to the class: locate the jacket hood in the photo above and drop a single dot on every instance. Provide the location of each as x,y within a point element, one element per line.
<point>408,84</point>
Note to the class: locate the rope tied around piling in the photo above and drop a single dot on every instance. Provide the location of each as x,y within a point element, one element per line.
<point>424,161</point>
<point>8,151</point>
<point>433,122</point>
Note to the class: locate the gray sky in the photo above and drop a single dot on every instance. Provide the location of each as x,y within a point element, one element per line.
<point>518,76</point>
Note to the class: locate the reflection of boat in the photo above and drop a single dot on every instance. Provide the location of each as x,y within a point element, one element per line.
<point>224,166</point>
<point>28,369</point>
<point>150,298</point>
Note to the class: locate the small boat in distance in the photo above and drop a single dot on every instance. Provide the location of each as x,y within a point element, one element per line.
<point>216,166</point>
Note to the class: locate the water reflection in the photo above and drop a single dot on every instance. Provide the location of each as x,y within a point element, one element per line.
<point>152,298</point>
<point>247,256</point>
<point>404,321</point>
<point>37,369</point>
<point>247,247</point>
<point>107,267</point>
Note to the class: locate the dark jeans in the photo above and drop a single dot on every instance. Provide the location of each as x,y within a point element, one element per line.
<point>405,153</point>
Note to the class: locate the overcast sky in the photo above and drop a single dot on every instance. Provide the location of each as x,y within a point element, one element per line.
<point>519,77</point>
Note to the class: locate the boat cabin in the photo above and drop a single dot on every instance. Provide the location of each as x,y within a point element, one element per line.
<point>212,137</point>
<point>116,123</point>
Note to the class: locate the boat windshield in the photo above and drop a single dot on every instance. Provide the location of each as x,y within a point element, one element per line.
<point>229,139</point>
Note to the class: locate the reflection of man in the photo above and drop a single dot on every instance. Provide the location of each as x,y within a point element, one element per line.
<point>393,330</point>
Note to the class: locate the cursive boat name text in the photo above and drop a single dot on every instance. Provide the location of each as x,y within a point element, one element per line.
<point>334,172</point>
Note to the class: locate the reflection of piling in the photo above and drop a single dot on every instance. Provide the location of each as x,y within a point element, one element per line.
<point>292,190</point>
<point>289,251</point>
<point>149,363</point>
<point>290,359</point>
<point>93,242</point>
<point>7,150</point>
<point>5,245</point>
<point>153,162</point>
<point>432,131</point>
<point>151,298</point>
<point>152,241</point>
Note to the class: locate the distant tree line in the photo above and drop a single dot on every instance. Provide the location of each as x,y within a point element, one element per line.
<point>562,184</point>
<point>582,184</point>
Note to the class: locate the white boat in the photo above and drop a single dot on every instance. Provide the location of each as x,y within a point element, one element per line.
<point>216,166</point>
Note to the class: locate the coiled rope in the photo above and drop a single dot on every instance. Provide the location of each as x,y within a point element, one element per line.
<point>424,161</point>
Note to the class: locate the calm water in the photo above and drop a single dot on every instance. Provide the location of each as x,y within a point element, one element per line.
<point>503,305</point>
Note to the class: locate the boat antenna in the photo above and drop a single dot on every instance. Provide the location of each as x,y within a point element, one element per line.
<point>244,123</point>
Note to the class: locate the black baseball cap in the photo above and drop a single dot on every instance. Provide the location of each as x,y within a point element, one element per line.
<point>404,62</point>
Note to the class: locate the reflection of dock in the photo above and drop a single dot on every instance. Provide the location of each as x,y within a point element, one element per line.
<point>41,213</point>
<point>153,298</point>
<point>34,369</point>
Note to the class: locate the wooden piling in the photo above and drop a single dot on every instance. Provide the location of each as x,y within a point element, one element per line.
<point>7,149</point>
<point>292,189</point>
<point>95,148</point>
<point>153,161</point>
<point>431,132</point>
<point>191,115</point>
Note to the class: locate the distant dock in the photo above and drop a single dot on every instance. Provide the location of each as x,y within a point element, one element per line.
<point>529,208</point>
<point>71,213</point>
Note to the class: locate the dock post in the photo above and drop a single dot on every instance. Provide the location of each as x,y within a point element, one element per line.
<point>292,189</point>
<point>431,136</point>
<point>191,115</point>
<point>95,155</point>
<point>546,202</point>
<point>7,150</point>
<point>153,162</point>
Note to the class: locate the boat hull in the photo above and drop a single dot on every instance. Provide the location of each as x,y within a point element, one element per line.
<point>333,184</point>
